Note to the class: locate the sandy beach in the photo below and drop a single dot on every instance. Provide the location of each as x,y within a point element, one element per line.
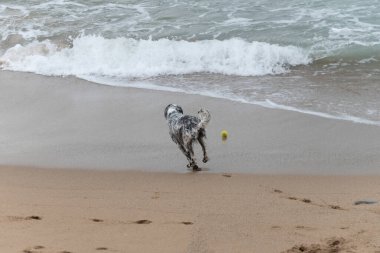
<point>91,168</point>
<point>45,210</point>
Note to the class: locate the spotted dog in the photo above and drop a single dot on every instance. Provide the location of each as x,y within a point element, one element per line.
<point>185,130</point>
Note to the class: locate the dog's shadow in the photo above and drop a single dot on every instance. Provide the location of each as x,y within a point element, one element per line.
<point>190,170</point>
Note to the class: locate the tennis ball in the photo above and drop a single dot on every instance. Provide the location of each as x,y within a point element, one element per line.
<point>224,135</point>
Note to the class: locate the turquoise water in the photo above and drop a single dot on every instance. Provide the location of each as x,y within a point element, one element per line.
<point>318,57</point>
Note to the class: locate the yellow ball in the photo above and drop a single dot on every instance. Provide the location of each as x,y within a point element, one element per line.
<point>224,135</point>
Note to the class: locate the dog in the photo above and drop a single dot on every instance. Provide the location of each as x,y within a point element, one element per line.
<point>185,130</point>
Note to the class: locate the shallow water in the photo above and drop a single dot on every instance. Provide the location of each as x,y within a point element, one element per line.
<point>314,57</point>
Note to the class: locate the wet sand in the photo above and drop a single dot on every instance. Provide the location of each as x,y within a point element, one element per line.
<point>57,122</point>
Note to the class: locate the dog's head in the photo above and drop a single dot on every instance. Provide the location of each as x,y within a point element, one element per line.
<point>171,109</point>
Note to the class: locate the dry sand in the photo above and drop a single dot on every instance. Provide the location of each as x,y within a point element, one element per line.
<point>102,211</point>
<point>113,194</point>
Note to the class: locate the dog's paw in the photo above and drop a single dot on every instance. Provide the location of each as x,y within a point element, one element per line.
<point>205,159</point>
<point>188,165</point>
<point>196,168</point>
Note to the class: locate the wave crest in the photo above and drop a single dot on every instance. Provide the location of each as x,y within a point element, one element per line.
<point>126,57</point>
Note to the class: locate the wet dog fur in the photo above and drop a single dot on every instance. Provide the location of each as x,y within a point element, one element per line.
<point>186,129</point>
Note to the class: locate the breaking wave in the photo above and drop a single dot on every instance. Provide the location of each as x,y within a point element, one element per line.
<point>127,57</point>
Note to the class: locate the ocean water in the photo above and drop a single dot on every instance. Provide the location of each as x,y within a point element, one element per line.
<point>317,57</point>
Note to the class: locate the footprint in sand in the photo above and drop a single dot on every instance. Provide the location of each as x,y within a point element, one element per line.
<point>305,228</point>
<point>20,218</point>
<point>33,217</point>
<point>143,222</point>
<point>330,245</point>
<point>187,223</point>
<point>365,202</point>
<point>101,248</point>
<point>308,201</point>
<point>335,207</point>
<point>97,220</point>
<point>226,175</point>
<point>34,249</point>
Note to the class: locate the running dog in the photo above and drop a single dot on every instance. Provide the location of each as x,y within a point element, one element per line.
<point>186,129</point>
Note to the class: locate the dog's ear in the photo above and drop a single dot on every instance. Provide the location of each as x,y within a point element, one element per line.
<point>179,109</point>
<point>166,111</point>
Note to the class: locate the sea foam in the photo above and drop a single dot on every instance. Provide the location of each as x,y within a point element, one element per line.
<point>127,57</point>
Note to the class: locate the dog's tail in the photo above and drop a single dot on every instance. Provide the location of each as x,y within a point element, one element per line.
<point>204,117</point>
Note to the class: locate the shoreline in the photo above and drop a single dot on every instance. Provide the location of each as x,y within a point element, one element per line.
<point>57,122</point>
<point>46,210</point>
<point>91,168</point>
<point>268,104</point>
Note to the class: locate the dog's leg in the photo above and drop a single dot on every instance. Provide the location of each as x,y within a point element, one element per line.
<point>203,145</point>
<point>189,147</point>
<point>186,153</point>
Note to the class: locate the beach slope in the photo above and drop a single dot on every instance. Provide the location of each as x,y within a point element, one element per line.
<point>47,210</point>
